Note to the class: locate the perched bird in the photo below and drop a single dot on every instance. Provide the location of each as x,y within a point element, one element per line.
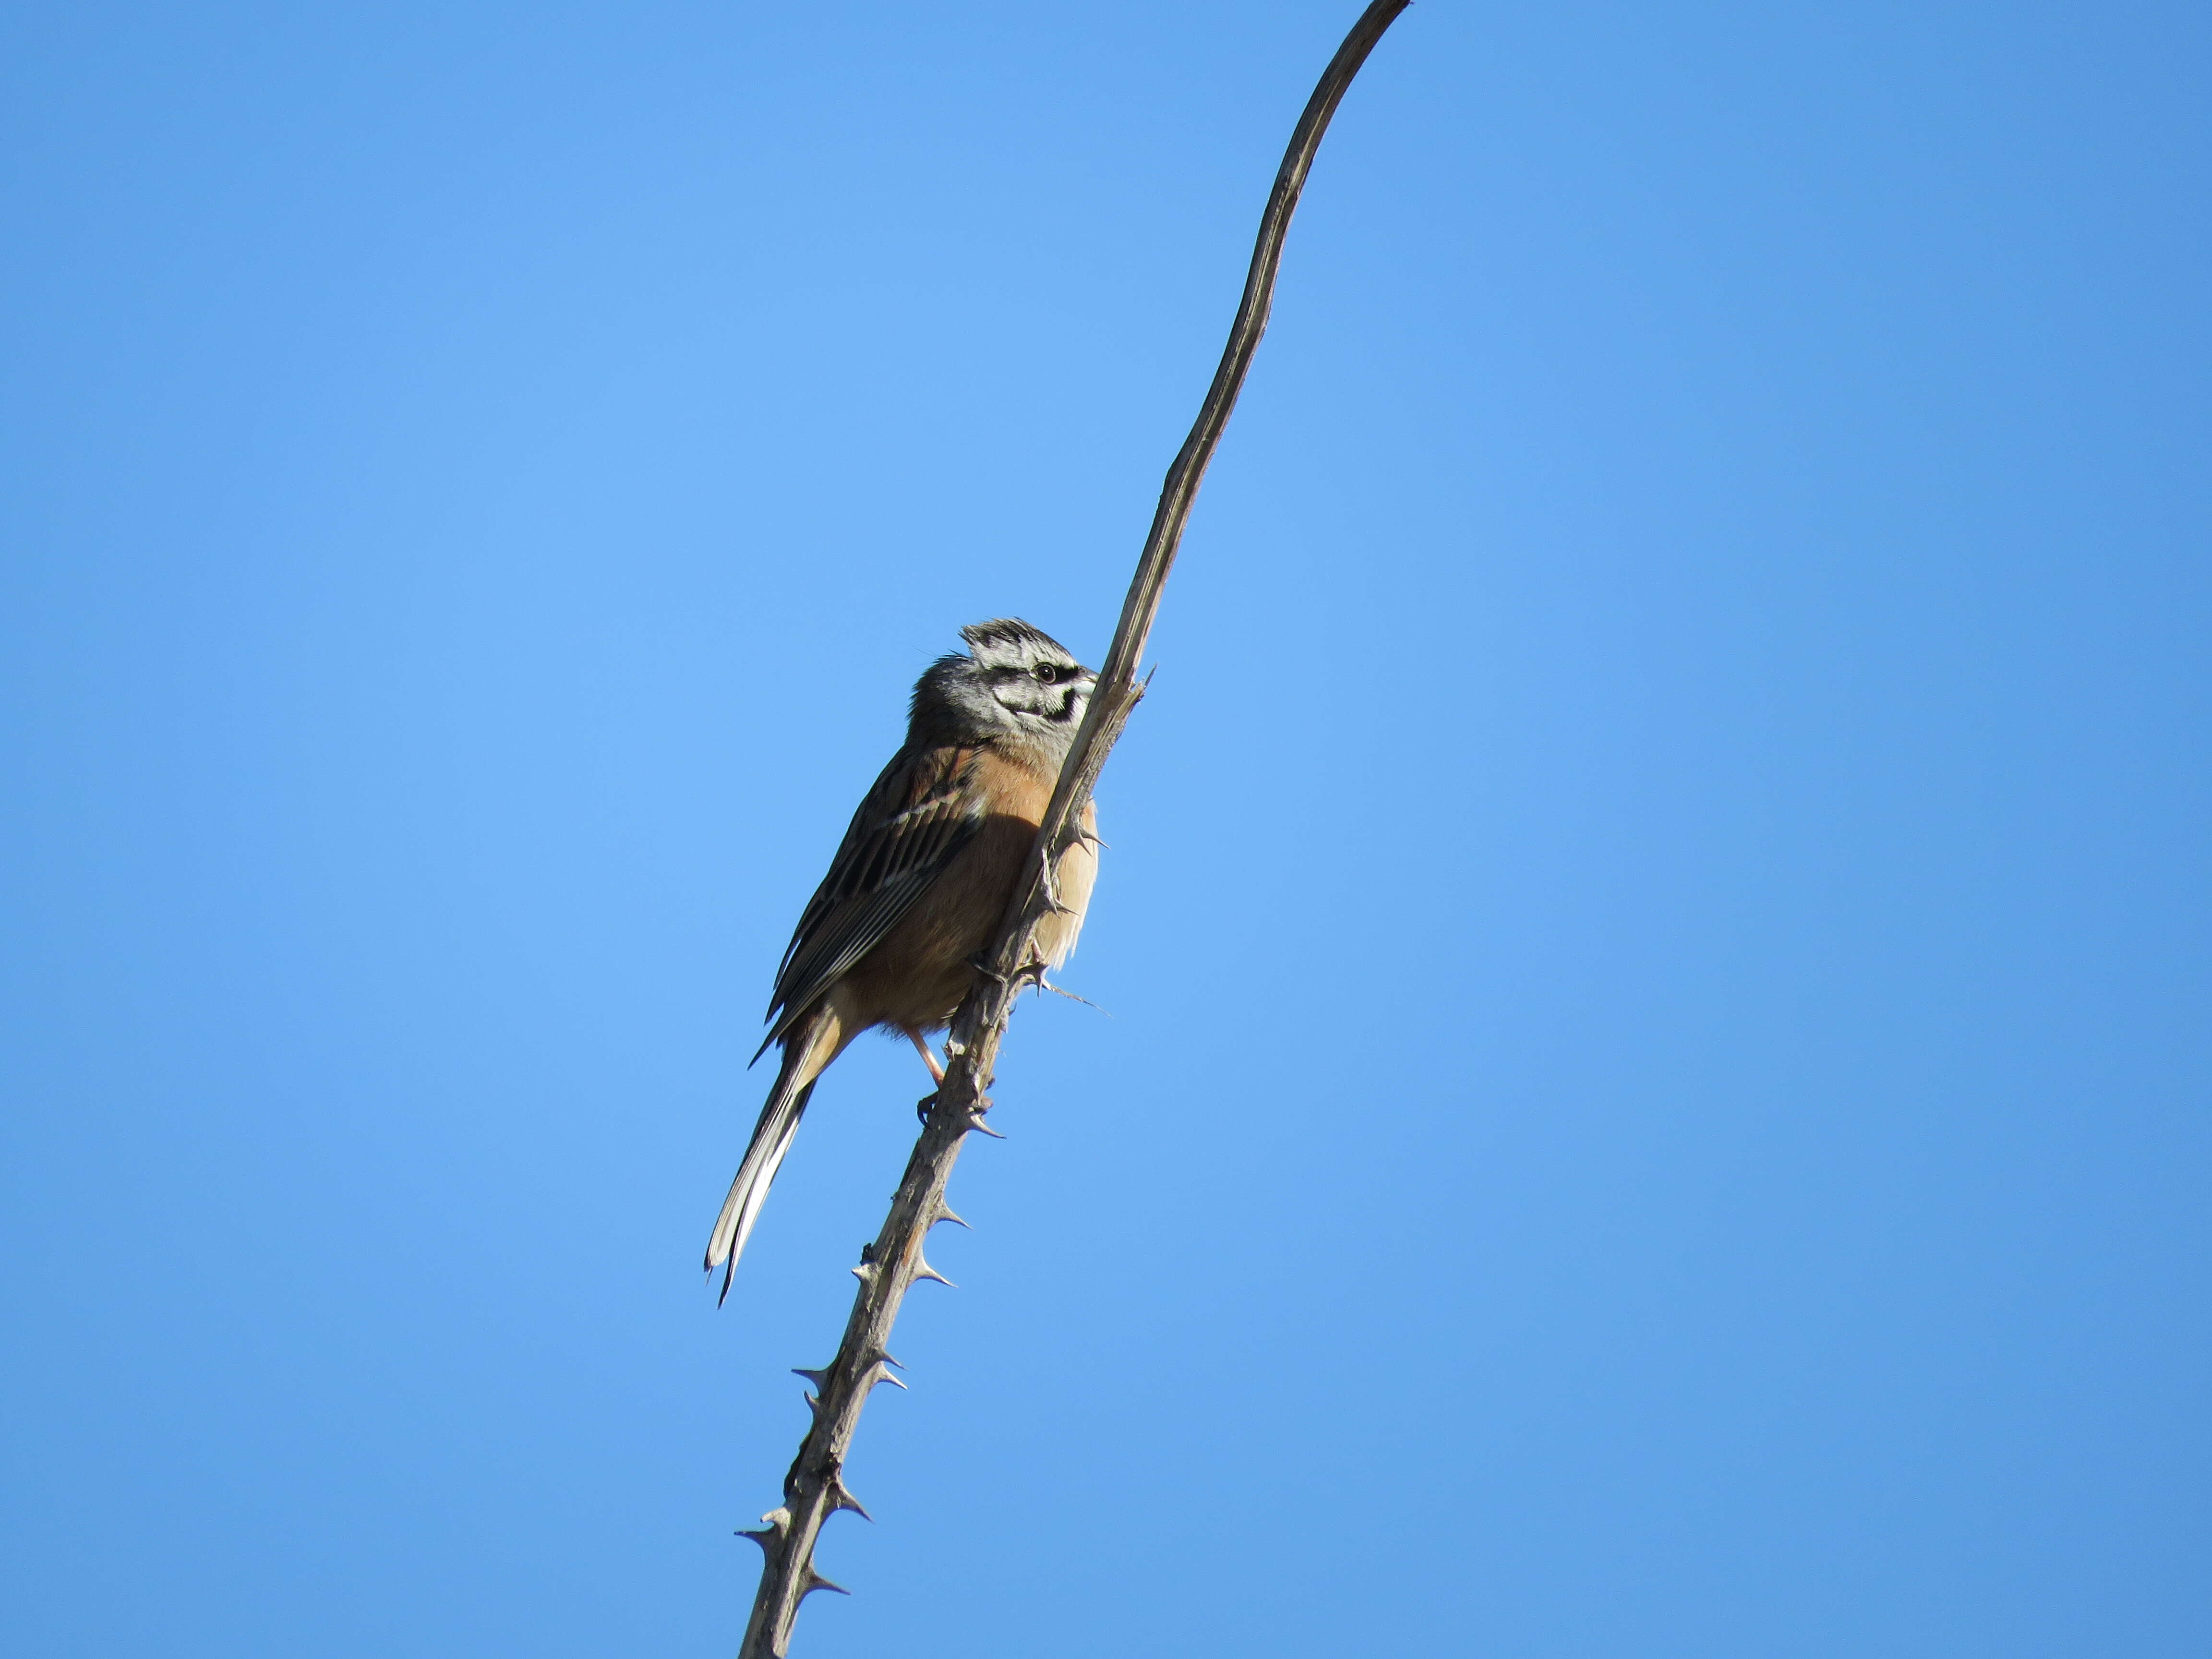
<point>921,881</point>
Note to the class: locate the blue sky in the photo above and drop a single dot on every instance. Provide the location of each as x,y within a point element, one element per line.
<point>1650,1092</point>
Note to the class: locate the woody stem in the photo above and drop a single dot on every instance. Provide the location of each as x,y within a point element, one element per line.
<point>815,1488</point>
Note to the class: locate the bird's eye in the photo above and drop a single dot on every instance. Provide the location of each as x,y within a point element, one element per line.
<point>1046,671</point>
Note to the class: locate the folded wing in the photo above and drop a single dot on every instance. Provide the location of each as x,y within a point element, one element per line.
<point>920,812</point>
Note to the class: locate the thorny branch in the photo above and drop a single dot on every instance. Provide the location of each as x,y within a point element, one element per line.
<point>815,1488</point>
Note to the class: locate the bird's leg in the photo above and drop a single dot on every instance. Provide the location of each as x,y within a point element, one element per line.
<point>1049,880</point>
<point>936,1072</point>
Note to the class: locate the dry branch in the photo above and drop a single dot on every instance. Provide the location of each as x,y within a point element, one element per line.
<point>815,1488</point>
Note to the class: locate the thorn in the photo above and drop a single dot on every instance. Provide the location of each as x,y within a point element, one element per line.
<point>923,1270</point>
<point>977,1123</point>
<point>841,1497</point>
<point>944,1214</point>
<point>865,1273</point>
<point>814,1405</point>
<point>883,1357</point>
<point>777,1522</point>
<point>815,1581</point>
<point>1047,985</point>
<point>816,1377</point>
<point>877,1370</point>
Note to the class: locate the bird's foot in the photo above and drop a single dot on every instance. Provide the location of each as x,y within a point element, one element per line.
<point>925,1108</point>
<point>1049,883</point>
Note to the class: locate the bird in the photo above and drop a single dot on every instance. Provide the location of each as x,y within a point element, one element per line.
<point>915,892</point>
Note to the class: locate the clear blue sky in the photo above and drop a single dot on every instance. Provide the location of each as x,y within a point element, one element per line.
<point>1652,1096</point>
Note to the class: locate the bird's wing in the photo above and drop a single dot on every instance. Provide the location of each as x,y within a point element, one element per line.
<point>921,812</point>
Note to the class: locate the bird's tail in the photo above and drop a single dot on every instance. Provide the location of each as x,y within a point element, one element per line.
<point>807,1052</point>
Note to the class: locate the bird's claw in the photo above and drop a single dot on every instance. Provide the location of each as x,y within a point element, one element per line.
<point>925,1108</point>
<point>1049,883</point>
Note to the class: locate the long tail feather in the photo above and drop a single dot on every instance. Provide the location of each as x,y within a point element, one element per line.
<point>772,1136</point>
